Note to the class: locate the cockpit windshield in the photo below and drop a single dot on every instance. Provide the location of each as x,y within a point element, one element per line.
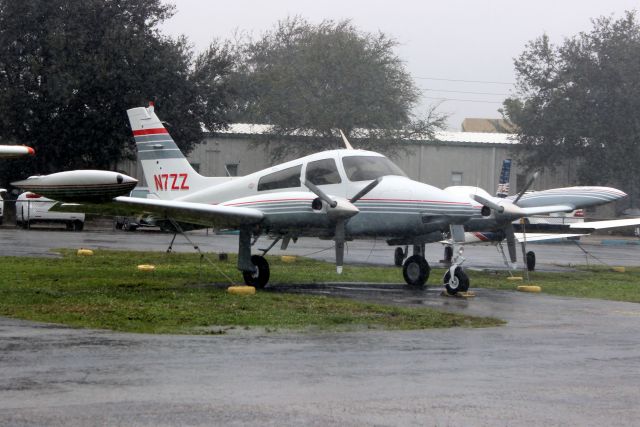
<point>366,168</point>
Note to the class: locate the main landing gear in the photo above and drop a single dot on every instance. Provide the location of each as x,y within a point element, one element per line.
<point>260,276</point>
<point>415,269</point>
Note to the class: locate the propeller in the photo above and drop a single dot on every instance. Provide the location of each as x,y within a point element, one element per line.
<point>339,210</point>
<point>506,212</point>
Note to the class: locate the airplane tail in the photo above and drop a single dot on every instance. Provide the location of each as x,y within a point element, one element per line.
<point>503,183</point>
<point>165,168</point>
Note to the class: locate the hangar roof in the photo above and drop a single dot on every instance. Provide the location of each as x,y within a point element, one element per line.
<point>442,136</point>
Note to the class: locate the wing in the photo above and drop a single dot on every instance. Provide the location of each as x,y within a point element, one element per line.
<point>600,225</point>
<point>540,237</point>
<point>194,213</point>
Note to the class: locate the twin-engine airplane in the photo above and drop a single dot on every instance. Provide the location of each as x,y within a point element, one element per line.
<point>338,195</point>
<point>501,214</point>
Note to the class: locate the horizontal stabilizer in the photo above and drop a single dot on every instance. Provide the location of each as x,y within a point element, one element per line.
<point>600,225</point>
<point>540,237</point>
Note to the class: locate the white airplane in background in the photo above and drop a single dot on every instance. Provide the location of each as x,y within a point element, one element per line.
<point>7,151</point>
<point>502,222</point>
<point>338,195</point>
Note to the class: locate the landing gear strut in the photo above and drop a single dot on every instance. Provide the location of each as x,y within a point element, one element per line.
<point>455,279</point>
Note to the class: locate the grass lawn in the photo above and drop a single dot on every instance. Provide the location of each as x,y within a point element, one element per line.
<point>587,282</point>
<point>107,291</point>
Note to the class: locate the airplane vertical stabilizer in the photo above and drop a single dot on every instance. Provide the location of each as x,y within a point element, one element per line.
<point>503,183</point>
<point>165,168</point>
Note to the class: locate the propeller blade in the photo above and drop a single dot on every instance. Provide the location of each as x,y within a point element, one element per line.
<point>488,203</point>
<point>360,194</point>
<point>318,192</point>
<point>339,239</point>
<point>345,140</point>
<point>526,187</point>
<point>511,242</point>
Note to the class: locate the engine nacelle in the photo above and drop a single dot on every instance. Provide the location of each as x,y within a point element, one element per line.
<point>88,186</point>
<point>343,208</point>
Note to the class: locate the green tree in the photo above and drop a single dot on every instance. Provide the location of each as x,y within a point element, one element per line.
<point>580,100</point>
<point>311,80</point>
<point>69,69</point>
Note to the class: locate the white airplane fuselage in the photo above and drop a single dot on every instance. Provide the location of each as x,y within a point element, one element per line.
<point>397,207</point>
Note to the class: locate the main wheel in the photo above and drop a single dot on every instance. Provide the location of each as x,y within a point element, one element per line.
<point>128,226</point>
<point>398,257</point>
<point>260,278</point>
<point>531,260</point>
<point>416,270</point>
<point>460,282</point>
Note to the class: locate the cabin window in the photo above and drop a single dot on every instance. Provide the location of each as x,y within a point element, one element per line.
<point>366,168</point>
<point>323,172</point>
<point>286,178</point>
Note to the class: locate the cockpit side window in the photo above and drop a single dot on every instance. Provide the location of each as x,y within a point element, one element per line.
<point>323,172</point>
<point>366,168</point>
<point>286,178</point>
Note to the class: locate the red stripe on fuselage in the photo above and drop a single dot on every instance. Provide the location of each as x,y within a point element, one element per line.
<point>379,200</point>
<point>415,201</point>
<point>143,132</point>
<point>481,236</point>
<point>267,201</point>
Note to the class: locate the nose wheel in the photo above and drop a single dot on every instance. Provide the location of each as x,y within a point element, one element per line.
<point>456,282</point>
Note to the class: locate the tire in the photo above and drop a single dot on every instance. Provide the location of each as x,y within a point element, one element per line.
<point>531,260</point>
<point>259,280</point>
<point>128,226</point>
<point>415,270</point>
<point>460,282</point>
<point>398,257</point>
<point>78,225</point>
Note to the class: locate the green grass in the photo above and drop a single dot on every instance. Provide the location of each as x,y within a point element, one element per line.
<point>592,282</point>
<point>186,295</point>
<point>107,291</point>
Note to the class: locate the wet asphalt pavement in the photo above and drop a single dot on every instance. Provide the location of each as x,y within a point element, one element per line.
<point>558,361</point>
<point>550,257</point>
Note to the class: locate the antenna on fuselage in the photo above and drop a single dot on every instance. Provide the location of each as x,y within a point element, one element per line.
<point>345,140</point>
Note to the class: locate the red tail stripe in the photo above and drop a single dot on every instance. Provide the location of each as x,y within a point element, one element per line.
<point>143,132</point>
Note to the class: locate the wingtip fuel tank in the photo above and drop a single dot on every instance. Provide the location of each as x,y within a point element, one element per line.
<point>88,186</point>
<point>7,151</point>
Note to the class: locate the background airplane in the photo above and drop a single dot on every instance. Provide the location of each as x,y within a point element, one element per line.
<point>508,218</point>
<point>7,151</point>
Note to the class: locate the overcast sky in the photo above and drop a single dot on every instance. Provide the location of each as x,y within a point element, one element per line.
<point>440,42</point>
